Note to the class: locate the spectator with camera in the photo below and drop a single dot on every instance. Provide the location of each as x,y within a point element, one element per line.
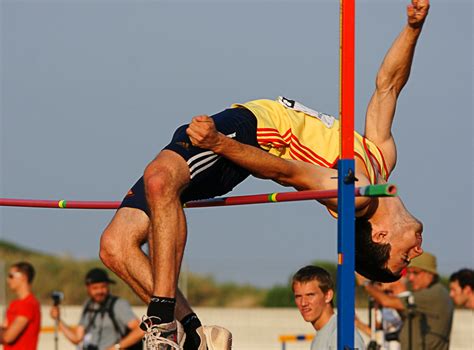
<point>387,321</point>
<point>427,310</point>
<point>107,322</point>
<point>22,325</point>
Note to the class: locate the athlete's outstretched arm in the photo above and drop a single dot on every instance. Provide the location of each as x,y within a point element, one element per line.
<point>391,78</point>
<point>300,175</point>
<point>203,133</point>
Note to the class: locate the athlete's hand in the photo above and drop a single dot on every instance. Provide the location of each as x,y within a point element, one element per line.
<point>417,12</point>
<point>203,133</point>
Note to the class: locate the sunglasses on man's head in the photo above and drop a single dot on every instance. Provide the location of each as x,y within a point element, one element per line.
<point>14,274</point>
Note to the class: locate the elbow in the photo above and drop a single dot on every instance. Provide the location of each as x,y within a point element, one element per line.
<point>399,306</point>
<point>9,339</point>
<point>281,177</point>
<point>270,175</point>
<point>394,304</point>
<point>285,178</point>
<point>76,341</point>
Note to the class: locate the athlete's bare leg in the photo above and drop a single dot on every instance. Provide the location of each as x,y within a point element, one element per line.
<point>165,178</point>
<point>120,250</point>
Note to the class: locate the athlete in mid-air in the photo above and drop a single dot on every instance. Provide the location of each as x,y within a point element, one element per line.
<point>222,150</point>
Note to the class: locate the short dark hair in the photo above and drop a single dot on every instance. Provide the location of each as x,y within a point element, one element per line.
<point>371,258</point>
<point>465,278</point>
<point>314,273</point>
<point>25,268</point>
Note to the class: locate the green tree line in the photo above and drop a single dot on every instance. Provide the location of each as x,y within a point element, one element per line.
<point>66,274</point>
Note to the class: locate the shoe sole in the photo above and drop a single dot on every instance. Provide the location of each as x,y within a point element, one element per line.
<point>217,338</point>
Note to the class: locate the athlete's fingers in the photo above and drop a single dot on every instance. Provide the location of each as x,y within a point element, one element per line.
<point>193,141</point>
<point>193,135</point>
<point>202,121</point>
<point>196,129</point>
<point>423,6</point>
<point>202,118</point>
<point>417,12</point>
<point>203,125</point>
<point>202,134</point>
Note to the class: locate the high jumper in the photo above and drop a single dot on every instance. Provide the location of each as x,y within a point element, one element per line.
<point>222,150</point>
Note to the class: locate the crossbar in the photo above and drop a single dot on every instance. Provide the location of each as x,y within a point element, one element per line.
<point>385,190</point>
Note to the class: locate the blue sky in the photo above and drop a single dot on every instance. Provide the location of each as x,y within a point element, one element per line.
<point>92,90</point>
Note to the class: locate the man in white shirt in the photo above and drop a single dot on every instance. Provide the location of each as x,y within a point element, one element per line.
<point>313,289</point>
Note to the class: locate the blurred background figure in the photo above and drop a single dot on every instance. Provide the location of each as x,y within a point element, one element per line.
<point>461,288</point>
<point>427,311</point>
<point>429,308</point>
<point>23,317</point>
<point>107,322</point>
<point>313,289</point>
<point>385,322</point>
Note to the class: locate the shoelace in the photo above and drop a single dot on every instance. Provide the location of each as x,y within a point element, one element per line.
<point>153,336</point>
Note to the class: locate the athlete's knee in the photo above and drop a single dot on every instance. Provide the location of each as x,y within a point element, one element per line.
<point>163,180</point>
<point>111,249</point>
<point>156,182</point>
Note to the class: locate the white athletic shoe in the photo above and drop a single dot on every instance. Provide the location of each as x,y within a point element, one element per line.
<point>161,336</point>
<point>216,338</point>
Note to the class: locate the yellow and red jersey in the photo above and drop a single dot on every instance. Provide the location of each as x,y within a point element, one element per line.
<point>310,136</point>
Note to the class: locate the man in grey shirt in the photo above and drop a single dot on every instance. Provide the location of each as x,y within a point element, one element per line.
<point>313,289</point>
<point>107,322</point>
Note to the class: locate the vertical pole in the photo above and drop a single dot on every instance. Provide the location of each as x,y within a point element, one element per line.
<point>3,293</point>
<point>346,171</point>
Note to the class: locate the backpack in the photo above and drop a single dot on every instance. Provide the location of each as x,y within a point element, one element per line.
<point>139,344</point>
<point>109,308</point>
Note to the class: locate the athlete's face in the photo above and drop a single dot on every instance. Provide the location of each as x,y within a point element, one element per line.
<point>310,300</point>
<point>393,224</point>
<point>404,249</point>
<point>405,240</point>
<point>98,292</point>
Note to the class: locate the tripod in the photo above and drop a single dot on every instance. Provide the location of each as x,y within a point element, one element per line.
<point>373,345</point>
<point>57,297</point>
<point>56,337</point>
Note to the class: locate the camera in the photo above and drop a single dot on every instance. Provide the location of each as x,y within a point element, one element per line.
<point>57,297</point>
<point>91,347</point>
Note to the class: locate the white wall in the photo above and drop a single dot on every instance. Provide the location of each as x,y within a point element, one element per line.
<point>258,329</point>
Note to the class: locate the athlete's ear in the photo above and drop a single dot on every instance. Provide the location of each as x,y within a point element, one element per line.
<point>380,236</point>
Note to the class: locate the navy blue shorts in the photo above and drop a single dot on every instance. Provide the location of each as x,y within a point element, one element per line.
<point>211,175</point>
